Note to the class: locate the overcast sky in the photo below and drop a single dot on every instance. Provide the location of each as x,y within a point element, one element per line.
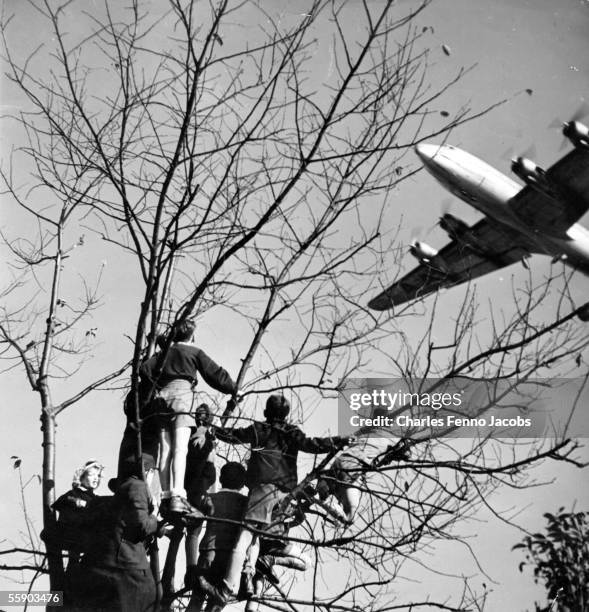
<point>541,45</point>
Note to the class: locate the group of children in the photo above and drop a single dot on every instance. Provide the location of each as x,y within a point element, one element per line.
<point>245,535</point>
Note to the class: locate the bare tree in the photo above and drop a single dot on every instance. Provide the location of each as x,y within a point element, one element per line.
<point>235,177</point>
<point>42,332</point>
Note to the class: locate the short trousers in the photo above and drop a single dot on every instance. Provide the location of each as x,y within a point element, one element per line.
<point>179,397</point>
<point>261,502</point>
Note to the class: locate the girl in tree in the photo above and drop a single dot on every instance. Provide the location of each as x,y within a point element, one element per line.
<point>75,508</point>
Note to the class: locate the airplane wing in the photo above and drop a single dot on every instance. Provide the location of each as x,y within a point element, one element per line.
<point>570,177</point>
<point>485,248</point>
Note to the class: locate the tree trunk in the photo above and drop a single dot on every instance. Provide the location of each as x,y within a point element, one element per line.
<point>54,556</point>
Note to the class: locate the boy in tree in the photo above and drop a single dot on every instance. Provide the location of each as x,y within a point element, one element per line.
<point>151,413</point>
<point>277,550</point>
<point>174,375</point>
<point>271,475</point>
<point>219,539</point>
<point>351,466</point>
<point>201,475</point>
<point>199,482</point>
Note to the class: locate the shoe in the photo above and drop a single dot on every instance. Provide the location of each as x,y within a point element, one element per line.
<point>335,510</point>
<point>203,584</point>
<point>220,595</point>
<point>179,505</point>
<point>267,570</point>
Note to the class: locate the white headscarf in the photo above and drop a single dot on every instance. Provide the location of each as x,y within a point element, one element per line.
<point>79,473</point>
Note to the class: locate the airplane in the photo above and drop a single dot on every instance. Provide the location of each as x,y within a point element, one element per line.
<point>540,218</point>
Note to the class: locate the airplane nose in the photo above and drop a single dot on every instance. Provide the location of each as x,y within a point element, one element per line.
<point>426,152</point>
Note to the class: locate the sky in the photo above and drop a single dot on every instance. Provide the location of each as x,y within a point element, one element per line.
<point>515,45</point>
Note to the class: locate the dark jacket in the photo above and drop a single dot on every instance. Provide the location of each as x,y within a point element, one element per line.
<point>73,505</point>
<point>120,537</point>
<point>226,504</point>
<point>274,450</point>
<point>218,542</point>
<point>77,512</point>
<point>184,361</point>
<point>200,474</point>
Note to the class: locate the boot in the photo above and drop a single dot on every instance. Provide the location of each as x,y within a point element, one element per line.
<point>220,595</point>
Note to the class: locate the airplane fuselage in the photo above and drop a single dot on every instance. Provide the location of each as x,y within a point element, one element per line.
<point>490,191</point>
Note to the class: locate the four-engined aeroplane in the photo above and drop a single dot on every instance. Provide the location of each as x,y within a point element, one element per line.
<point>540,218</point>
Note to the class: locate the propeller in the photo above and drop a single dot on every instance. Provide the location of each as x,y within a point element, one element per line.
<point>416,234</point>
<point>508,154</point>
<point>445,206</point>
<point>530,153</point>
<point>581,112</point>
<point>511,153</point>
<point>557,123</point>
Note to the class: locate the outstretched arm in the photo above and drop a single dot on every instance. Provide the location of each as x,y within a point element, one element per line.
<point>318,446</point>
<point>236,435</point>
<point>214,375</point>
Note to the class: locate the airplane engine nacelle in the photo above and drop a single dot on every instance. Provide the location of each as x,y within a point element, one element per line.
<point>428,256</point>
<point>577,133</point>
<point>528,171</point>
<point>422,251</point>
<point>453,226</point>
<point>534,176</point>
